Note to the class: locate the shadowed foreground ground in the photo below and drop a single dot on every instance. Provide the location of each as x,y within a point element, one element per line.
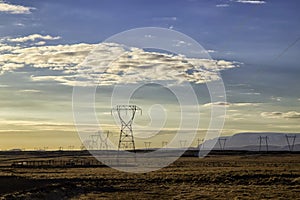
<point>214,177</point>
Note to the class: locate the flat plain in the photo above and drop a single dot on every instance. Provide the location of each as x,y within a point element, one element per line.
<point>248,176</point>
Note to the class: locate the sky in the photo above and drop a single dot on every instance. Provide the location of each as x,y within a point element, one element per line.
<point>253,44</point>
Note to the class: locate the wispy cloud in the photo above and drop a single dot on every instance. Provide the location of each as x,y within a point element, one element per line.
<point>19,24</point>
<point>229,3</point>
<point>287,115</point>
<point>222,5</point>
<point>275,98</point>
<point>14,9</point>
<point>217,104</point>
<point>238,104</point>
<point>29,91</point>
<point>165,18</point>
<point>40,43</point>
<point>33,37</point>
<point>250,93</point>
<point>251,1</point>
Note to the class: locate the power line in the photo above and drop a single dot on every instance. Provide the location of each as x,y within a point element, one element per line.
<point>287,48</point>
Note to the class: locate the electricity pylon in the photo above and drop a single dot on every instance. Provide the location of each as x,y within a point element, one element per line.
<point>147,145</point>
<point>99,140</point>
<point>290,139</point>
<point>126,139</point>
<point>222,143</point>
<point>261,139</point>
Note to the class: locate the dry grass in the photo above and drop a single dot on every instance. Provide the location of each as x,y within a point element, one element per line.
<point>214,177</point>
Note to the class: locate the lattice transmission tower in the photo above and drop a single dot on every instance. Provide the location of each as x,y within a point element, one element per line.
<point>99,141</point>
<point>126,140</point>
<point>290,139</point>
<point>222,143</point>
<point>261,141</point>
<point>147,145</point>
<point>164,144</point>
<point>182,143</point>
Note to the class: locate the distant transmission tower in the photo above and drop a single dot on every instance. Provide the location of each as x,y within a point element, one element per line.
<point>94,142</point>
<point>261,139</point>
<point>222,143</point>
<point>126,139</point>
<point>104,140</point>
<point>182,143</point>
<point>70,147</point>
<point>199,141</point>
<point>290,139</point>
<point>99,140</point>
<point>147,145</point>
<point>164,144</point>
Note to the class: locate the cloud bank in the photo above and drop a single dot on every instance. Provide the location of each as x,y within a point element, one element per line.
<point>103,64</point>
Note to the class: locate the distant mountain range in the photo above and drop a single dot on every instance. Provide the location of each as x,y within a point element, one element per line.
<point>255,142</point>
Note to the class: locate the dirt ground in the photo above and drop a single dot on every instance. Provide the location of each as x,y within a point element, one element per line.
<point>213,177</point>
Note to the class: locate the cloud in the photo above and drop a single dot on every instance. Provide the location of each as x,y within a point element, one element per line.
<point>165,18</point>
<point>7,48</point>
<point>137,65</point>
<point>106,64</point>
<point>211,51</point>
<point>10,66</point>
<point>19,24</point>
<point>246,104</point>
<point>33,37</point>
<point>222,5</point>
<point>275,98</point>
<point>29,91</point>
<point>40,43</point>
<point>227,104</point>
<point>217,104</point>
<point>56,57</point>
<point>14,9</point>
<point>250,93</point>
<point>287,115</point>
<point>180,43</point>
<point>206,51</point>
<point>149,36</point>
<point>251,1</point>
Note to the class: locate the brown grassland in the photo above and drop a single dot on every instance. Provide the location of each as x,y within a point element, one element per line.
<point>256,176</point>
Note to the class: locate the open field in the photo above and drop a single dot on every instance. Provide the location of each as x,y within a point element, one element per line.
<point>253,176</point>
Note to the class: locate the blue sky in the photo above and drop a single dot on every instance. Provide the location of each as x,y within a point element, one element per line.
<point>261,37</point>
